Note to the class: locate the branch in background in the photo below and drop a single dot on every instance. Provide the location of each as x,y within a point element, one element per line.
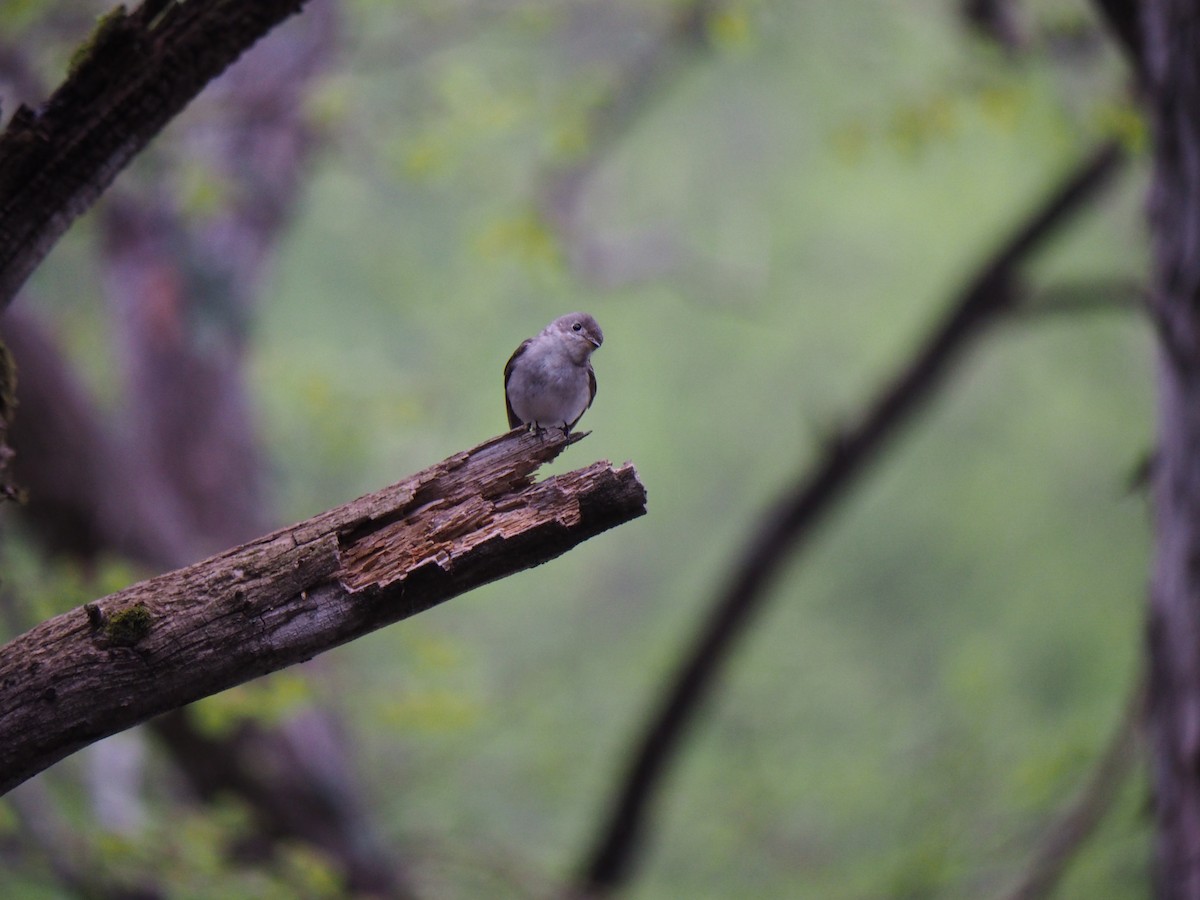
<point>1084,297</point>
<point>1124,19</point>
<point>182,284</point>
<point>1079,822</point>
<point>297,592</point>
<point>136,74</point>
<point>991,294</point>
<point>644,76</point>
<point>999,21</point>
<point>85,499</point>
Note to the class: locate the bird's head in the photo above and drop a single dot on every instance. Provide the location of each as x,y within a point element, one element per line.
<point>581,333</point>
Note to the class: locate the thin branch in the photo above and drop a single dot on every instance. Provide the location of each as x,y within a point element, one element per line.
<point>644,76</point>
<point>297,592</point>
<point>1079,822</point>
<point>136,73</point>
<point>1082,298</point>
<point>609,862</point>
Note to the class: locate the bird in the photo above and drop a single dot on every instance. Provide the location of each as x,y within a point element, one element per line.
<point>549,381</point>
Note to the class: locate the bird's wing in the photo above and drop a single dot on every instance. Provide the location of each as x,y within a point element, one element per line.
<point>513,420</point>
<point>591,396</point>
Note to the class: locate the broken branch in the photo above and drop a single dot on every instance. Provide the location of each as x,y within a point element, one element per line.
<point>285,597</point>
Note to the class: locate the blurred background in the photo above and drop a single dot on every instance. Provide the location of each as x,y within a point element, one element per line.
<point>308,288</point>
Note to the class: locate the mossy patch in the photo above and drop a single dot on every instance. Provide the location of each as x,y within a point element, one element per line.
<point>128,626</point>
<point>107,27</point>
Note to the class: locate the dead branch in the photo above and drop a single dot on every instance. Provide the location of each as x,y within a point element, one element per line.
<point>991,294</point>
<point>283,598</point>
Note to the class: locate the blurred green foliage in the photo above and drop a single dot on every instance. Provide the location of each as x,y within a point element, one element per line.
<point>267,701</point>
<point>189,857</point>
<point>937,673</point>
<point>18,14</point>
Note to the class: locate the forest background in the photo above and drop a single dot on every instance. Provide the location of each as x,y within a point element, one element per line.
<point>766,206</point>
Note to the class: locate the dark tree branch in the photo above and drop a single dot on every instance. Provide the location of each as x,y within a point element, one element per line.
<point>998,21</point>
<point>297,592</point>
<point>1073,298</point>
<point>795,517</point>
<point>138,71</point>
<point>1123,18</point>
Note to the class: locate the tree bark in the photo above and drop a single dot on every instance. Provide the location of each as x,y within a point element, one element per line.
<point>1171,30</point>
<point>285,597</point>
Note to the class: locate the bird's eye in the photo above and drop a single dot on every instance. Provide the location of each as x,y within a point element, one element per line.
<point>577,327</point>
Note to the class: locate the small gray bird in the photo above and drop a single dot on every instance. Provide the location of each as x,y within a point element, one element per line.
<point>549,381</point>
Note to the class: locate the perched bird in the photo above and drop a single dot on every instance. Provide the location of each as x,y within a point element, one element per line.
<point>548,381</point>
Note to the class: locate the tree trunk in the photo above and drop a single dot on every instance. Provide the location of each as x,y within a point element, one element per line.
<point>1172,63</point>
